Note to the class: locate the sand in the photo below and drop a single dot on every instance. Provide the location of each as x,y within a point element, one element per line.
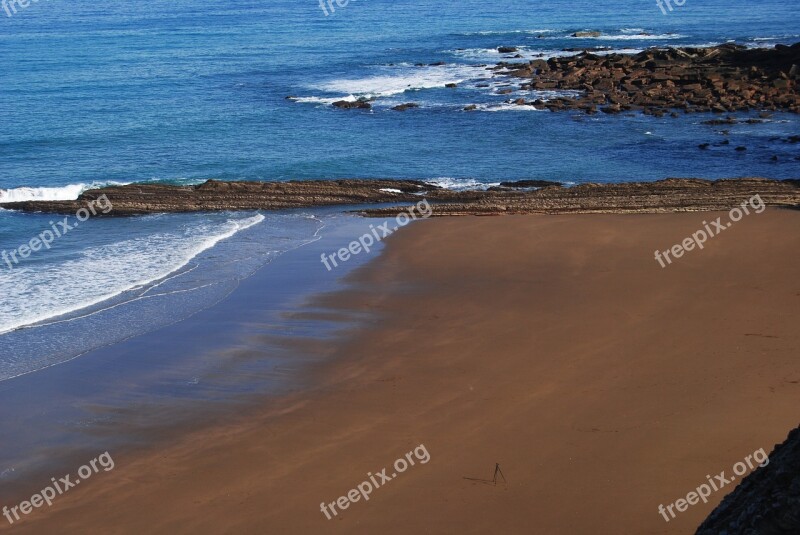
<point>556,346</point>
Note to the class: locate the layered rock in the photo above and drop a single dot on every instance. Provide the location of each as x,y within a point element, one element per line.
<point>671,195</point>
<point>215,195</point>
<point>638,197</point>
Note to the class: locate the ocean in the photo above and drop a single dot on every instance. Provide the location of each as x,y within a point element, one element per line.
<point>99,93</point>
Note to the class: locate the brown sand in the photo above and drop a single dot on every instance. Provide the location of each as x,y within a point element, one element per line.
<point>603,384</point>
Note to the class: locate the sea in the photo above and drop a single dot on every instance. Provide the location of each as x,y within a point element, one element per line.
<point>97,93</point>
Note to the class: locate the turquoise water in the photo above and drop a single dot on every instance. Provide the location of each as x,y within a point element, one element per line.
<point>94,93</point>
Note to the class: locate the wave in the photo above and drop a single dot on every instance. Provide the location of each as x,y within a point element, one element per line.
<point>35,294</point>
<point>491,54</point>
<point>323,100</point>
<point>506,106</point>
<point>57,193</point>
<point>507,32</point>
<point>398,80</point>
<point>460,184</point>
<point>777,37</point>
<point>635,37</point>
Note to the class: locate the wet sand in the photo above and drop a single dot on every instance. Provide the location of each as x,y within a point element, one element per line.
<point>555,346</point>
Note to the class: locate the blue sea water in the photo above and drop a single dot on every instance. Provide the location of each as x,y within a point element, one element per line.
<point>180,91</point>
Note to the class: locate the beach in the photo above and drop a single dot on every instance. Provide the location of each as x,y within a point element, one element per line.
<point>554,346</point>
<point>399,267</point>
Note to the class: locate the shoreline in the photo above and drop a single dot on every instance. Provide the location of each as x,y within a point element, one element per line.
<point>510,378</point>
<point>157,384</point>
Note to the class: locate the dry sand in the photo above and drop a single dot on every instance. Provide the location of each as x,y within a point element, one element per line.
<point>556,346</point>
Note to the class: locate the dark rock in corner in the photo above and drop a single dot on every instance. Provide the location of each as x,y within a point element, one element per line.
<point>766,502</point>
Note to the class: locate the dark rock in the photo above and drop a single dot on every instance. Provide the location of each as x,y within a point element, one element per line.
<point>741,149</point>
<point>715,122</point>
<point>704,146</point>
<point>451,85</point>
<point>506,49</point>
<point>767,501</point>
<point>406,106</point>
<point>471,107</point>
<point>357,104</point>
<point>587,34</point>
<point>630,197</point>
<point>530,184</point>
<point>721,79</point>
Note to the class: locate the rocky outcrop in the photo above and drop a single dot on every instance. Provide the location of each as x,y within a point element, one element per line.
<point>671,195</point>
<point>766,502</point>
<point>406,106</point>
<point>636,197</point>
<point>529,184</point>
<point>722,79</point>
<point>586,34</point>
<point>352,104</point>
<point>215,195</point>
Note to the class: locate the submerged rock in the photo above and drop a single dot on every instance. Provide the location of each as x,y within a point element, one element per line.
<point>406,106</point>
<point>348,104</point>
<point>587,34</point>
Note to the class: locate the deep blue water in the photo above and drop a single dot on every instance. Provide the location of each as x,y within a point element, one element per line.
<point>181,91</point>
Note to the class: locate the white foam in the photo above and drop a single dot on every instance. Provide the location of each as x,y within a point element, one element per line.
<point>60,193</point>
<point>35,294</point>
<point>508,32</point>
<point>391,190</point>
<point>460,184</point>
<point>487,53</point>
<point>323,100</point>
<point>506,106</point>
<point>397,80</point>
<point>635,37</point>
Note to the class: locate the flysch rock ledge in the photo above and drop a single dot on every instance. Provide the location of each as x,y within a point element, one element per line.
<point>670,195</point>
